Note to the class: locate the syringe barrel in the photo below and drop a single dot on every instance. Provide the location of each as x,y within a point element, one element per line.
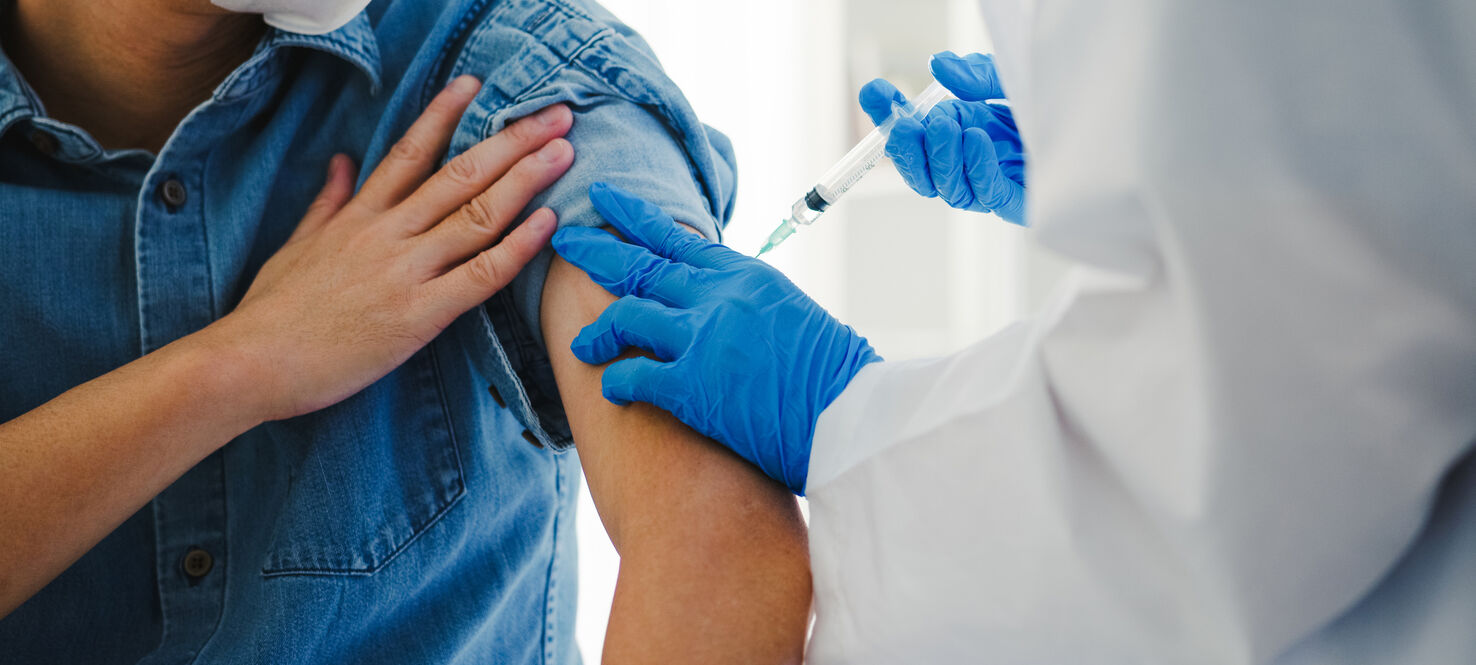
<point>869,152</point>
<point>928,98</point>
<point>853,167</point>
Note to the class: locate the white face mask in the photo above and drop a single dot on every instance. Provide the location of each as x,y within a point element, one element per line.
<point>308,17</point>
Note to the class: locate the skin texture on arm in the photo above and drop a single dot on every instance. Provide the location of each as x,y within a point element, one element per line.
<point>714,563</point>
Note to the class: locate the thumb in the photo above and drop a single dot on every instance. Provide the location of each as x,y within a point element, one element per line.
<point>878,99</point>
<point>631,322</point>
<point>973,78</point>
<point>636,380</point>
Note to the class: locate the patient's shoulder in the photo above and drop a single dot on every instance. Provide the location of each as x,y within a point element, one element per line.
<point>633,127</point>
<point>631,119</point>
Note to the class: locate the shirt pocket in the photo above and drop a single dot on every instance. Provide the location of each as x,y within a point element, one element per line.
<point>366,477</point>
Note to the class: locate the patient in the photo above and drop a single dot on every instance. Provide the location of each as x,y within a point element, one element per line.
<point>200,460</point>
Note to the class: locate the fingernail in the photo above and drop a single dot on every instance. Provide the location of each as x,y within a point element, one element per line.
<point>465,84</point>
<point>554,151</point>
<point>542,221</point>
<point>550,115</point>
<point>333,165</point>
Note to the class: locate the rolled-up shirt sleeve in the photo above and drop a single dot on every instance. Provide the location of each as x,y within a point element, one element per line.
<point>632,128</point>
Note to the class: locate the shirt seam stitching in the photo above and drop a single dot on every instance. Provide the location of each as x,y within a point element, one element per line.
<point>464,28</point>
<point>11,117</point>
<point>538,85</point>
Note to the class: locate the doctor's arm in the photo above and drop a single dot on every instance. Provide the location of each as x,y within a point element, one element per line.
<point>1066,487</point>
<point>713,560</point>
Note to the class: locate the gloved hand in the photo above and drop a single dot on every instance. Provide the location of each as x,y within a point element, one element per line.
<point>744,356</point>
<point>967,151</point>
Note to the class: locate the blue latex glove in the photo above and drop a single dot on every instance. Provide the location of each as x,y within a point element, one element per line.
<point>744,356</point>
<point>967,151</point>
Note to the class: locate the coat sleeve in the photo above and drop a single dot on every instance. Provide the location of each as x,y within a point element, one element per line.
<point>1240,414</point>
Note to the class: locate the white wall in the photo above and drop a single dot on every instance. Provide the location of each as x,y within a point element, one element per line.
<point>780,78</point>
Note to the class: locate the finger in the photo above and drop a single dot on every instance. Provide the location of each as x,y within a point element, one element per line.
<point>335,193</point>
<point>473,171</point>
<point>945,160</point>
<point>994,117</point>
<point>1004,116</point>
<point>649,226</point>
<point>994,191</point>
<point>412,158</point>
<point>878,98</point>
<point>632,322</point>
<point>638,380</point>
<point>480,222</point>
<point>473,282</point>
<point>907,147</point>
<point>625,269</point>
<point>999,122</point>
<point>970,78</point>
<point>1013,168</point>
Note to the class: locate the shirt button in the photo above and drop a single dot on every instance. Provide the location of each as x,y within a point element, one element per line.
<point>197,563</point>
<point>45,143</point>
<point>497,396</point>
<point>528,436</point>
<point>173,193</point>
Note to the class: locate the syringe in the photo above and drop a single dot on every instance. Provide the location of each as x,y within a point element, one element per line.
<point>853,167</point>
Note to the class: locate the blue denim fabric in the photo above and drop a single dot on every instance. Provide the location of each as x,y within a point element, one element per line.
<point>428,519</point>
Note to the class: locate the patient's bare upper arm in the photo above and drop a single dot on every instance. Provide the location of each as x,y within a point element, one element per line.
<point>714,561</point>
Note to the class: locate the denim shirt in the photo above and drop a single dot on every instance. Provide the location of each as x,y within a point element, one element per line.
<point>428,519</point>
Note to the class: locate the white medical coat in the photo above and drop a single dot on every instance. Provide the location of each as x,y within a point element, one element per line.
<point>1243,433</point>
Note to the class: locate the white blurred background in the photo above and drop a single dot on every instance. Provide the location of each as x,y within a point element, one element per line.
<point>780,78</point>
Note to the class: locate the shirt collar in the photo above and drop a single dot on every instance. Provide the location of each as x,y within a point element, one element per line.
<point>15,97</point>
<point>354,42</point>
